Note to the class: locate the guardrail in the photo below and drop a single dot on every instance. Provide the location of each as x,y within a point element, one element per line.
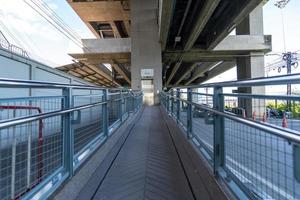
<point>47,130</point>
<point>4,43</point>
<point>251,140</point>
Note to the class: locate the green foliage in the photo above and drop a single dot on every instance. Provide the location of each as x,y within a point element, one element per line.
<point>295,107</point>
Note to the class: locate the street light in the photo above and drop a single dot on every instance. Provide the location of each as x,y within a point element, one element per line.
<point>281,3</point>
<point>287,56</point>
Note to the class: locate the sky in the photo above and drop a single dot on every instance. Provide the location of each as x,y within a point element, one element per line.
<point>33,33</point>
<point>44,42</point>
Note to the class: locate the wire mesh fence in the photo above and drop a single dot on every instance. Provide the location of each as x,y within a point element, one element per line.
<point>29,153</point>
<point>251,140</point>
<point>43,139</point>
<point>90,124</point>
<point>262,162</point>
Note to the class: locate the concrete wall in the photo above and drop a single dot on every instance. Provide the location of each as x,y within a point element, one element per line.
<point>145,46</point>
<point>13,66</point>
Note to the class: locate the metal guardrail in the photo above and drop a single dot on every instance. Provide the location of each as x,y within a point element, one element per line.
<point>48,133</point>
<point>254,149</point>
<point>5,44</point>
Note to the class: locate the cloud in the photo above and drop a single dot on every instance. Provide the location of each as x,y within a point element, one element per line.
<point>36,34</point>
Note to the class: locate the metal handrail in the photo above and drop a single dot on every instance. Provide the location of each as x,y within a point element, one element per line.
<point>22,120</point>
<point>262,81</point>
<point>19,83</point>
<point>295,137</point>
<point>259,96</point>
<point>11,47</point>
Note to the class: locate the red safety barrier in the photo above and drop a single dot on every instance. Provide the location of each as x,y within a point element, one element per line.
<point>254,115</point>
<point>244,113</point>
<point>284,121</point>
<point>264,119</point>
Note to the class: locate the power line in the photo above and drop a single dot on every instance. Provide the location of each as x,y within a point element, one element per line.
<point>58,21</point>
<point>51,11</point>
<point>55,26</point>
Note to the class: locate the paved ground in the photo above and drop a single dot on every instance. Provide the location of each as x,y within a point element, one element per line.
<point>147,166</point>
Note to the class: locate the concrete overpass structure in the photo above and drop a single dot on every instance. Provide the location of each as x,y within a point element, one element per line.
<point>67,139</point>
<point>183,42</point>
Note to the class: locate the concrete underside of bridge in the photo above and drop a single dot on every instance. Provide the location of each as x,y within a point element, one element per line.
<point>152,44</point>
<point>148,158</point>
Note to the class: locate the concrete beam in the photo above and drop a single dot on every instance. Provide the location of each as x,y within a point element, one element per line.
<point>202,20</point>
<point>121,72</point>
<point>115,45</point>
<point>190,69</point>
<point>199,56</point>
<point>127,27</point>
<point>166,15</point>
<point>216,71</point>
<point>100,11</point>
<point>115,29</point>
<point>205,14</point>
<point>223,30</point>
<point>246,43</point>
<point>96,58</point>
<point>174,70</point>
<point>200,71</point>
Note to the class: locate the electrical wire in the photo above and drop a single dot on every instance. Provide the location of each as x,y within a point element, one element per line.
<point>55,26</point>
<point>50,14</point>
<point>51,11</point>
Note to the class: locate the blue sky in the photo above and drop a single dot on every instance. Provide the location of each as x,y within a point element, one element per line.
<point>38,37</point>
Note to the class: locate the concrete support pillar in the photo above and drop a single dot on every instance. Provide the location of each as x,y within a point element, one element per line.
<point>145,46</point>
<point>253,66</point>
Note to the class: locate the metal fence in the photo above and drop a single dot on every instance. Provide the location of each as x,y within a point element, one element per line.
<point>45,138</point>
<point>10,47</point>
<point>251,140</point>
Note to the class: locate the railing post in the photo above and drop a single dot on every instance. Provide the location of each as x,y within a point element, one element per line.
<point>167,103</point>
<point>219,150</point>
<point>178,104</point>
<point>68,139</point>
<point>172,101</point>
<point>105,112</point>
<point>121,107</point>
<point>189,113</point>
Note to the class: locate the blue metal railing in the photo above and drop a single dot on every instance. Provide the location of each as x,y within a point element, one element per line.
<point>251,140</point>
<point>47,130</point>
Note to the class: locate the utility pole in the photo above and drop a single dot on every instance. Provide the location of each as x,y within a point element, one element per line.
<point>287,57</point>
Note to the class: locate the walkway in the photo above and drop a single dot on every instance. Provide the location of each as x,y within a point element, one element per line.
<point>146,167</point>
